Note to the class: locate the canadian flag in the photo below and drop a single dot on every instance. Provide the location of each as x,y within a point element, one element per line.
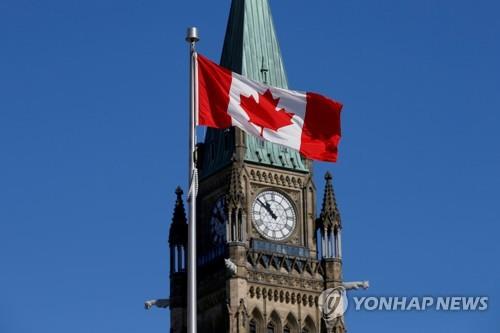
<point>307,122</point>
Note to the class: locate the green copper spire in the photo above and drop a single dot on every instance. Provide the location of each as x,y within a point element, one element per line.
<point>251,49</point>
<point>251,44</point>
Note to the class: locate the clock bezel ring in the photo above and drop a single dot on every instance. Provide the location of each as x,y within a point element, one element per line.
<point>294,210</point>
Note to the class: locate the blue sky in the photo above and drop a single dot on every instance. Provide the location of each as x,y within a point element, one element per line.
<point>93,113</point>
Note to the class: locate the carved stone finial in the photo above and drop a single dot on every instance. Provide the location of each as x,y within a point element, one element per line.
<point>235,196</point>
<point>242,307</point>
<point>242,315</point>
<point>178,229</point>
<point>330,215</point>
<point>178,192</point>
<point>179,211</point>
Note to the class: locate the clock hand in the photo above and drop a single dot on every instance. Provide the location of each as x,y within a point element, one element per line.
<point>274,216</point>
<point>267,206</point>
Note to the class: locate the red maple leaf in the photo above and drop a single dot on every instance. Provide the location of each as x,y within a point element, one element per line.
<point>263,113</point>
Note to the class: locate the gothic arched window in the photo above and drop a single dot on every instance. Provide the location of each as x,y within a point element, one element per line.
<point>309,326</point>
<point>252,327</point>
<point>256,324</point>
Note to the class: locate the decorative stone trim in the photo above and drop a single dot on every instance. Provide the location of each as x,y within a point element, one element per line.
<point>302,266</point>
<point>279,295</point>
<point>269,177</point>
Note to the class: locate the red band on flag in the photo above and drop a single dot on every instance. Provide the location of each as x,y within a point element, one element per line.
<point>214,83</point>
<point>320,140</point>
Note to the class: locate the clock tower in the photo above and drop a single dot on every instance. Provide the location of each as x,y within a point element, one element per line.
<point>264,254</point>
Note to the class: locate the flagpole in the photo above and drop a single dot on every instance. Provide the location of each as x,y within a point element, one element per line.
<point>192,38</point>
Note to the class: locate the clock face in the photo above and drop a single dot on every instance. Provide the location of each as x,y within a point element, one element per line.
<point>218,220</point>
<point>273,215</point>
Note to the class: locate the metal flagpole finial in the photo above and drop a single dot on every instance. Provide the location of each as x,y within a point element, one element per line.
<point>192,35</point>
